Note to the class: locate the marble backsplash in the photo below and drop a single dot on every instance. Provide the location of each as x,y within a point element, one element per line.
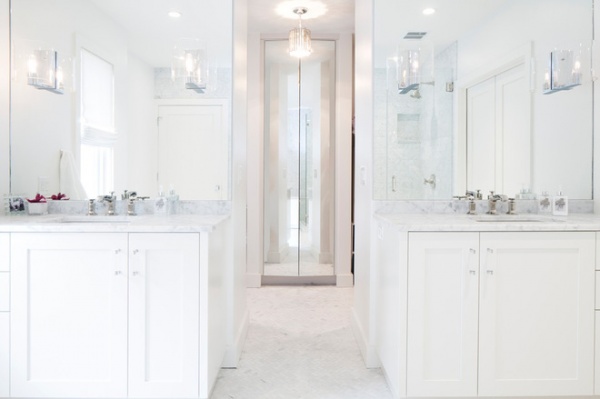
<point>145,207</point>
<point>461,207</point>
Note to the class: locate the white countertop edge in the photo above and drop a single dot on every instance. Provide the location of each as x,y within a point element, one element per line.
<point>62,223</point>
<point>525,222</point>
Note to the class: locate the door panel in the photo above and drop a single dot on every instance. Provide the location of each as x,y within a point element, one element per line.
<point>536,310</point>
<point>69,315</point>
<point>499,133</point>
<point>442,314</point>
<point>184,130</point>
<point>164,315</point>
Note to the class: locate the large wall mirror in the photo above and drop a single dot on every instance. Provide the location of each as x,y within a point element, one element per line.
<point>502,99</point>
<point>299,160</point>
<point>114,95</point>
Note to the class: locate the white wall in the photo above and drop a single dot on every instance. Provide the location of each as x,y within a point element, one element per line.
<point>596,56</point>
<point>4,98</point>
<point>238,322</point>
<point>255,158</point>
<point>363,187</point>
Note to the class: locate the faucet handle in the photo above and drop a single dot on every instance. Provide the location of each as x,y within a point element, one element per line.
<point>91,209</point>
<point>131,206</point>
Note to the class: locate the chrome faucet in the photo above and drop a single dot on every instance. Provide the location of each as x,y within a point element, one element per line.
<point>472,206</point>
<point>110,201</point>
<point>512,207</point>
<point>91,207</point>
<point>431,181</point>
<point>128,194</point>
<point>492,200</point>
<point>131,206</point>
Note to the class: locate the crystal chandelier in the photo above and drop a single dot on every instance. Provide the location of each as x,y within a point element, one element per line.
<point>299,38</point>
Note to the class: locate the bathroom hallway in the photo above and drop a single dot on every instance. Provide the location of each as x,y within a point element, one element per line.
<point>300,345</point>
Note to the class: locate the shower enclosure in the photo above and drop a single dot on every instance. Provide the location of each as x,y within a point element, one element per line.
<point>299,98</point>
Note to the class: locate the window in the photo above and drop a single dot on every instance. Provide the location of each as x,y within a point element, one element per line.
<point>98,135</point>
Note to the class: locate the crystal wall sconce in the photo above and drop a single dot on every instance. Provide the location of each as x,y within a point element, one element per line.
<point>44,71</point>
<point>190,65</point>
<point>564,72</point>
<point>413,63</point>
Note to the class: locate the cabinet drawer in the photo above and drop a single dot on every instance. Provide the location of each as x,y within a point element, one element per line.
<point>4,291</point>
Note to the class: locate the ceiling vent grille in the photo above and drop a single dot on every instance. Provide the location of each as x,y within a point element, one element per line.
<point>415,35</point>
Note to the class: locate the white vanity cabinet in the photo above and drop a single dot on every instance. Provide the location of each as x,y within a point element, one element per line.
<point>500,314</point>
<point>106,315</point>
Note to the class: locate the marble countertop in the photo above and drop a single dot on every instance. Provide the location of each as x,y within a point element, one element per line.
<point>69,223</point>
<point>483,222</point>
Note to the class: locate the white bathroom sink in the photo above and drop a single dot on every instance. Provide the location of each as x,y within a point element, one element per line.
<point>95,219</point>
<point>514,219</point>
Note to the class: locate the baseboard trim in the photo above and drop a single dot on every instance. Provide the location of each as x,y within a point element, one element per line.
<point>345,280</point>
<point>298,280</point>
<point>234,352</point>
<point>368,352</point>
<point>253,280</point>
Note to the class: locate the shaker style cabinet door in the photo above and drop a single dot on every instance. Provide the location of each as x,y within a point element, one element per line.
<point>69,315</point>
<point>536,326</point>
<point>164,315</point>
<point>442,314</point>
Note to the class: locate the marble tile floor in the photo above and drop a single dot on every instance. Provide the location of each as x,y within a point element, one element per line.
<point>300,345</point>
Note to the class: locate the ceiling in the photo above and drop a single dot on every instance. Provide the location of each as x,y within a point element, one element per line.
<point>263,17</point>
<point>152,34</point>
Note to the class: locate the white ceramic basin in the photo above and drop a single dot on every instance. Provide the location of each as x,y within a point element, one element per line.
<point>514,219</point>
<point>95,219</point>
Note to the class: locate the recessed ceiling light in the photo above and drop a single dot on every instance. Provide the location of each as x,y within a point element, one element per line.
<point>429,11</point>
<point>174,14</point>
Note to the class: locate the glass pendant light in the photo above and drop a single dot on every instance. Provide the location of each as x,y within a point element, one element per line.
<point>299,38</point>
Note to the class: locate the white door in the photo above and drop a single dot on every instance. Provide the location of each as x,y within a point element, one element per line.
<point>192,150</point>
<point>442,314</point>
<point>536,329</point>
<point>68,315</point>
<point>499,133</point>
<point>164,315</point>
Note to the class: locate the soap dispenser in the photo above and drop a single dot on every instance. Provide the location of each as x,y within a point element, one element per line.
<point>545,203</point>
<point>160,203</point>
<point>172,201</point>
<point>560,204</point>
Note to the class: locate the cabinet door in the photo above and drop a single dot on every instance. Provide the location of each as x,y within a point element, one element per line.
<point>4,354</point>
<point>69,315</point>
<point>536,314</point>
<point>164,315</point>
<point>442,314</point>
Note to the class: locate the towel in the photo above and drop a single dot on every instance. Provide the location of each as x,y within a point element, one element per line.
<point>69,181</point>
